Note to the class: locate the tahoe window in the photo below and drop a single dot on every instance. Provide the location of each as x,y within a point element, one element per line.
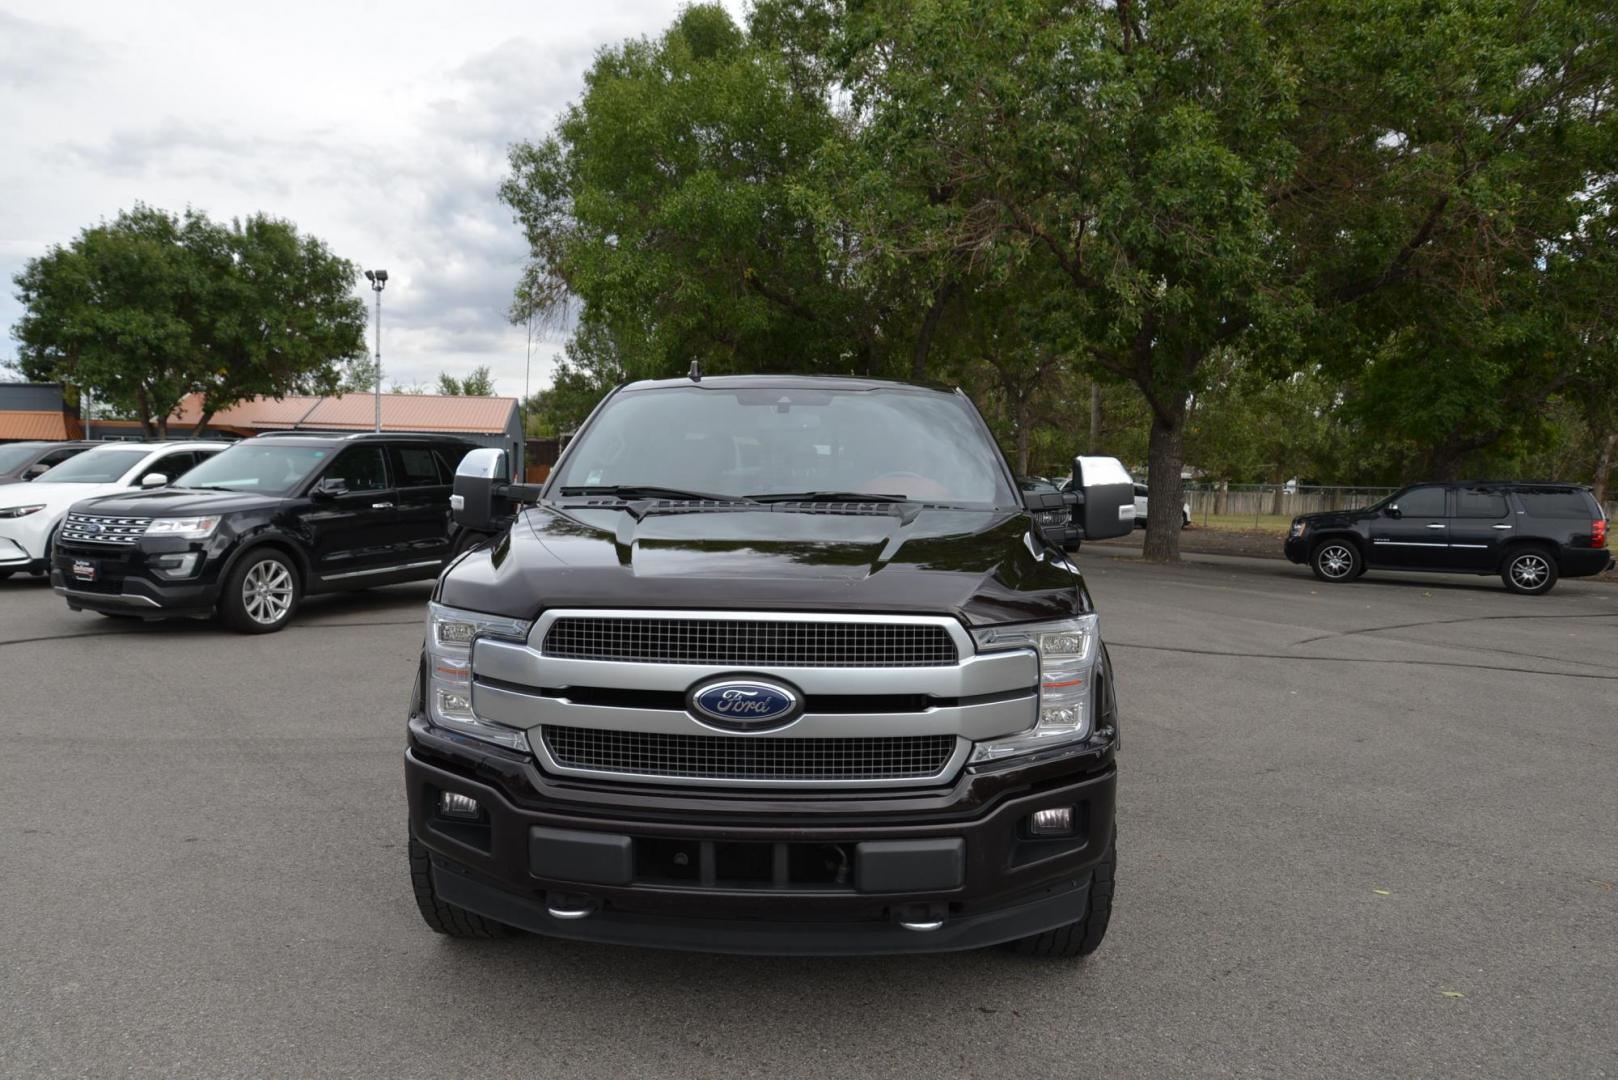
<point>1472,503</point>
<point>270,467</point>
<point>772,441</point>
<point>1425,502</point>
<point>1549,502</point>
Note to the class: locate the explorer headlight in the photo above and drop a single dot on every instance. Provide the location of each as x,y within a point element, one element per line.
<point>450,633</point>
<point>20,511</point>
<point>1067,650</point>
<point>190,528</point>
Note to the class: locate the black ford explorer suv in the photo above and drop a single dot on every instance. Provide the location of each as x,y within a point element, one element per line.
<point>776,665</point>
<point>251,531</point>
<point>1528,533</point>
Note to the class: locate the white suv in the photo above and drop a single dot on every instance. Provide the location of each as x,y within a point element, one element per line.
<point>31,513</point>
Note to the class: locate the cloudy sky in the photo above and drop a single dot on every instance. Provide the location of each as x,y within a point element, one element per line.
<point>381,128</point>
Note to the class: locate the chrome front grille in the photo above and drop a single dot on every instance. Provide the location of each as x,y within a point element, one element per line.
<point>94,529</point>
<point>750,642</point>
<point>726,758</point>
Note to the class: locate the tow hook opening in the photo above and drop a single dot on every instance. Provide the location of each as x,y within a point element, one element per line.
<point>921,918</point>
<point>569,906</point>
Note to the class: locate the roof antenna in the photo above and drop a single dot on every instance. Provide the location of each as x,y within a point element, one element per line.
<point>696,371</point>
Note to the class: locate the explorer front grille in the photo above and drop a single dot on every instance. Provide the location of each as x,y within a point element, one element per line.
<point>750,642</point>
<point>721,757</point>
<point>93,529</point>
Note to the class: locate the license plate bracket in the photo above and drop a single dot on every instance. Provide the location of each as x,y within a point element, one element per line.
<point>84,570</point>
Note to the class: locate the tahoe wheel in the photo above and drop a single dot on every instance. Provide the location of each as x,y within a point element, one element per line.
<point>1336,560</point>
<point>261,595</point>
<point>443,917</point>
<point>1083,937</point>
<point>1530,571</point>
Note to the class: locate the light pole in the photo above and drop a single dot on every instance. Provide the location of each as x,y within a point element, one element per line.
<point>378,279</point>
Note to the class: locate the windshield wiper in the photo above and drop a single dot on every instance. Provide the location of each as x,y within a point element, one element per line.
<point>649,491</point>
<point>827,496</point>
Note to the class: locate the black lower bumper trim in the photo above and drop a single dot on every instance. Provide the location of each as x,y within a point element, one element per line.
<point>607,926</point>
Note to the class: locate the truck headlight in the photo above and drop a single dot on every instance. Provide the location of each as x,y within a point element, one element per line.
<point>450,634</point>
<point>1067,650</point>
<point>190,528</point>
<point>20,511</point>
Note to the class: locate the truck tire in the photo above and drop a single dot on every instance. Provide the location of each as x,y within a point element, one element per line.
<point>1083,937</point>
<point>443,918</point>
<point>1529,571</point>
<point>1336,561</point>
<point>261,594</point>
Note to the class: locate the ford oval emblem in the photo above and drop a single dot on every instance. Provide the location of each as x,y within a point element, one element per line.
<point>740,704</point>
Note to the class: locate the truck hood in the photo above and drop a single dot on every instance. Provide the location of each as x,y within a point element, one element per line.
<point>980,566</point>
<point>180,502</point>
<point>55,496</point>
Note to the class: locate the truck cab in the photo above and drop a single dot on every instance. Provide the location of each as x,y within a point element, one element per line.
<point>770,665</point>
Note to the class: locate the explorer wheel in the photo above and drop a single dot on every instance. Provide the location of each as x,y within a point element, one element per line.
<point>1336,561</point>
<point>1083,937</point>
<point>261,595</point>
<point>445,918</point>
<point>1530,572</point>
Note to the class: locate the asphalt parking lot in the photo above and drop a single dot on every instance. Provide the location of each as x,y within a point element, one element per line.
<point>1365,830</point>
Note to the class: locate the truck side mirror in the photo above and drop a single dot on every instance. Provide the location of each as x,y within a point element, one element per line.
<point>154,480</point>
<point>1106,497</point>
<point>474,502</point>
<point>1393,510</point>
<point>35,471</point>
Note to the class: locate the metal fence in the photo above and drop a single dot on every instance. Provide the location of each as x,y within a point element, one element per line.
<point>1234,503</point>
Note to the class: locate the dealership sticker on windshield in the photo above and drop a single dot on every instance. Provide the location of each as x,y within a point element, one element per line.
<point>84,570</point>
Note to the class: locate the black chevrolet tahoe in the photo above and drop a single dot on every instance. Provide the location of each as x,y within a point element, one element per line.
<point>772,665</point>
<point>1528,533</point>
<point>252,530</point>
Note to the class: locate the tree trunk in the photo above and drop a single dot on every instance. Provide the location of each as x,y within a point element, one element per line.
<point>1094,446</point>
<point>1023,407</point>
<point>929,326</point>
<point>202,424</point>
<point>1165,456</point>
<point>1609,447</point>
<point>143,405</point>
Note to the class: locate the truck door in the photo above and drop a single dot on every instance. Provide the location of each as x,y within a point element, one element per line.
<point>1412,532</point>
<point>1480,529</point>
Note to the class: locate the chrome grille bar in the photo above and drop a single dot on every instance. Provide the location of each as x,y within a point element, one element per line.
<point>96,529</point>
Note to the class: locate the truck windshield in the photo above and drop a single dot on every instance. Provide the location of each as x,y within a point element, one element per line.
<point>919,444</point>
<point>269,467</point>
<point>98,466</point>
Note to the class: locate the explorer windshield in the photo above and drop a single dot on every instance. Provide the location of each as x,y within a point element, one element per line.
<point>268,467</point>
<point>918,444</point>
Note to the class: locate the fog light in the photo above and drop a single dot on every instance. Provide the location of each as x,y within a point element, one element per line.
<point>457,806</point>
<point>1058,822</point>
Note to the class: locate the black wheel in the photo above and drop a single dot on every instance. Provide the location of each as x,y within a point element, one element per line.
<point>1083,937</point>
<point>445,918</point>
<point>261,593</point>
<point>466,541</point>
<point>1529,571</point>
<point>1336,561</point>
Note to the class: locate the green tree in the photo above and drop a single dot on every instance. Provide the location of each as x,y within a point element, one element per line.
<point>480,383</point>
<point>150,307</point>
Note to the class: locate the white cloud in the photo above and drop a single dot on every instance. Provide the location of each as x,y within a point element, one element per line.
<point>381,128</point>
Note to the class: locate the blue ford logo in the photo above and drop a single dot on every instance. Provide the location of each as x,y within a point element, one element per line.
<point>744,704</point>
<point>92,526</point>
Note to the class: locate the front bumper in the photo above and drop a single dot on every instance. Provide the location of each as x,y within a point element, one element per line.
<point>135,579</point>
<point>1297,549</point>
<point>777,873</point>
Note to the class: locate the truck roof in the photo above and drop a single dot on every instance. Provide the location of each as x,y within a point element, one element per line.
<point>784,382</point>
